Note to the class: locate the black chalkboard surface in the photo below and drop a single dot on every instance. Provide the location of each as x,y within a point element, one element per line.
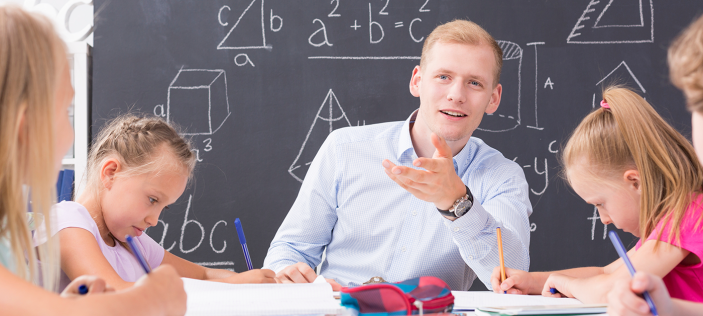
<point>259,84</point>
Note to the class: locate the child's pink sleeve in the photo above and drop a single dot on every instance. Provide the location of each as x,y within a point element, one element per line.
<point>691,236</point>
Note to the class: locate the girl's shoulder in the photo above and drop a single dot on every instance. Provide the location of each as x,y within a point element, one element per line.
<point>73,214</point>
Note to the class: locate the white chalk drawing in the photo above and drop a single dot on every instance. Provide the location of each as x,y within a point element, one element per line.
<point>198,101</point>
<point>366,57</point>
<point>619,75</point>
<point>546,177</point>
<point>410,30</point>
<point>187,221</point>
<point>536,126</point>
<point>623,23</point>
<point>333,14</point>
<point>371,25</point>
<point>507,117</point>
<point>224,243</point>
<point>228,42</point>
<point>217,264</point>
<point>330,111</point>
<point>594,220</point>
<point>322,29</point>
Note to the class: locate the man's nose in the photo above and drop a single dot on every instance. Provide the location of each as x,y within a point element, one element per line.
<point>457,93</point>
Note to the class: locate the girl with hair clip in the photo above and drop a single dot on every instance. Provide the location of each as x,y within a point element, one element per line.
<point>644,177</point>
<point>686,72</point>
<point>35,133</point>
<point>136,168</point>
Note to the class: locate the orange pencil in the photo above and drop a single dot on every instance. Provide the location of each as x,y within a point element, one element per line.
<point>500,255</point>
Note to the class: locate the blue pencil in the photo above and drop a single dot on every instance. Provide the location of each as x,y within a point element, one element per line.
<point>243,241</point>
<point>138,254</point>
<point>615,239</point>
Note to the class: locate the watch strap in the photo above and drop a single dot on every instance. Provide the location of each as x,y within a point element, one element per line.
<point>451,214</point>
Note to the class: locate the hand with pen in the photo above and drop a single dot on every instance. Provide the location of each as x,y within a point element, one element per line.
<point>625,298</point>
<point>85,285</point>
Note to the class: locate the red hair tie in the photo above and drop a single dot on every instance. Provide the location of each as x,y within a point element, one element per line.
<point>604,104</point>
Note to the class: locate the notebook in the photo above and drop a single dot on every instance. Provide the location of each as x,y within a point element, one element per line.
<point>582,309</point>
<point>214,298</point>
<point>470,300</point>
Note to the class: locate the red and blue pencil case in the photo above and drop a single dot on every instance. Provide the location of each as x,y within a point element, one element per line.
<point>421,295</point>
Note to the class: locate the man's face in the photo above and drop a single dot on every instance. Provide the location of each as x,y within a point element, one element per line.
<point>455,88</point>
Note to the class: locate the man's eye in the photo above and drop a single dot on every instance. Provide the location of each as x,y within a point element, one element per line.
<point>443,77</point>
<point>475,83</point>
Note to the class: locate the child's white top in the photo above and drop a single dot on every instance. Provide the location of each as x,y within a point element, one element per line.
<point>72,214</point>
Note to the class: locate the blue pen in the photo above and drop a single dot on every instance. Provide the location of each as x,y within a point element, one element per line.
<point>137,253</point>
<point>243,241</point>
<point>623,254</point>
<point>82,290</point>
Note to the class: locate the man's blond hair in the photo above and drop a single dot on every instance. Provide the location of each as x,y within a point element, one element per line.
<point>463,32</point>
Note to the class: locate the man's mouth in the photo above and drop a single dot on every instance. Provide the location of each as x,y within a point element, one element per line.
<point>454,114</point>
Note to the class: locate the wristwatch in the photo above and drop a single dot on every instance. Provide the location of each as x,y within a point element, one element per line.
<point>461,205</point>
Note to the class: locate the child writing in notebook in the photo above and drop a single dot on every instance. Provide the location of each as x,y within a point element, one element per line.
<point>35,133</point>
<point>136,168</point>
<point>686,72</point>
<point>644,177</point>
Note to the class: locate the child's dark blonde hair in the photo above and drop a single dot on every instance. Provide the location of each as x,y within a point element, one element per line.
<point>137,143</point>
<point>631,135</point>
<point>686,64</point>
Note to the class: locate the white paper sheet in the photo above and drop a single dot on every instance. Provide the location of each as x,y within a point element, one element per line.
<point>214,298</point>
<point>469,300</point>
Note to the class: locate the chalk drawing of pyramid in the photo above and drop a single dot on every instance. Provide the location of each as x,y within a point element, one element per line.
<point>507,117</point>
<point>614,22</point>
<point>329,117</point>
<point>243,33</point>
<point>619,75</point>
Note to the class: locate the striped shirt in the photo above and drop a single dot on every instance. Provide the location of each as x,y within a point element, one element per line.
<point>370,226</point>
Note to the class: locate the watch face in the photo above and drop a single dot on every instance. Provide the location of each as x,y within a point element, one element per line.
<point>463,207</point>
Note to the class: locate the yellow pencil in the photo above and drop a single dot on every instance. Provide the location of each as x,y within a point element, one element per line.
<point>500,255</point>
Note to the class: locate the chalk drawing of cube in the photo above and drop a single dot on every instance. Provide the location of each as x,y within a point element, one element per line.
<point>198,101</point>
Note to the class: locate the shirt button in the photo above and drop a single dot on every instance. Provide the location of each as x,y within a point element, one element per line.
<point>456,229</point>
<point>403,249</point>
<point>471,257</point>
<point>414,213</point>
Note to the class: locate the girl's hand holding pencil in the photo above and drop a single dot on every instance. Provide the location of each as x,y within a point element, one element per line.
<point>517,282</point>
<point>93,285</point>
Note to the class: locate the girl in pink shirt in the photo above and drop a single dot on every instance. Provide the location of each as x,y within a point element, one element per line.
<point>644,177</point>
<point>136,168</point>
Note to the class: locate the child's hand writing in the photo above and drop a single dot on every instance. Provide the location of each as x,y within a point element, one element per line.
<point>559,282</point>
<point>624,298</point>
<point>93,283</point>
<point>516,282</point>
<point>252,276</point>
<point>164,288</point>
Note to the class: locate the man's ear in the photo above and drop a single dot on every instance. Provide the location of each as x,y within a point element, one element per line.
<point>415,82</point>
<point>632,177</point>
<point>495,99</point>
<point>107,172</point>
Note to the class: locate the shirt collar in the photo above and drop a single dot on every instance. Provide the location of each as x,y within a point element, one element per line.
<point>405,146</point>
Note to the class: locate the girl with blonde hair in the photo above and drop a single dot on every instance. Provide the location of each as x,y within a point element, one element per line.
<point>35,133</point>
<point>644,177</point>
<point>137,167</point>
<point>686,72</point>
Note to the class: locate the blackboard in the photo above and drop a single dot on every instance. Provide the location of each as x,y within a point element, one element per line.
<point>255,82</point>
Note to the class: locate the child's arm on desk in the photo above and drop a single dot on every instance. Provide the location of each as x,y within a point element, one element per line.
<point>191,270</point>
<point>595,289</point>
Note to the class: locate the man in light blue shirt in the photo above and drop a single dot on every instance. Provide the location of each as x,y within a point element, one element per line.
<point>421,197</point>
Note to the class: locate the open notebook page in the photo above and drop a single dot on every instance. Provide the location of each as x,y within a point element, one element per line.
<point>214,298</point>
<point>469,300</point>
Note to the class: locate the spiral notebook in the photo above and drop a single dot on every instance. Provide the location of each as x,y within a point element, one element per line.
<point>214,298</point>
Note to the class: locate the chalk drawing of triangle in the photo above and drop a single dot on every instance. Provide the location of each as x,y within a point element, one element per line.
<point>614,22</point>
<point>623,16</point>
<point>619,76</point>
<point>329,117</point>
<point>243,33</point>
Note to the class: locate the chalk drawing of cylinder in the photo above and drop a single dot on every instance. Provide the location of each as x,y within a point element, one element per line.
<point>198,101</point>
<point>507,117</point>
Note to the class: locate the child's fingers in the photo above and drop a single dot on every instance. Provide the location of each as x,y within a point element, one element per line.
<point>495,279</point>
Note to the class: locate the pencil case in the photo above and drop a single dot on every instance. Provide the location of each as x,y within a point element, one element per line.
<point>416,296</point>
